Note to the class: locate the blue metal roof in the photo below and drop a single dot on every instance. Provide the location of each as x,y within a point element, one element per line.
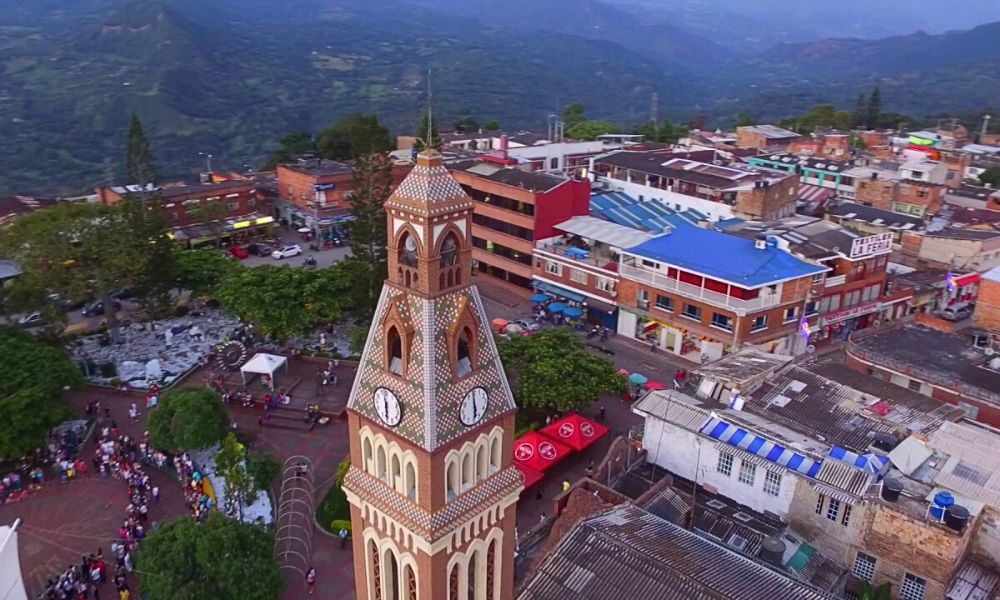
<point>875,464</point>
<point>724,256</point>
<point>610,200</point>
<point>736,436</point>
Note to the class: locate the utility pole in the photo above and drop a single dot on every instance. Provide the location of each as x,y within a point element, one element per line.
<point>986,126</point>
<point>654,110</point>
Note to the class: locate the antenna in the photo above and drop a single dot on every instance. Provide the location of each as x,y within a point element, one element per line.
<point>429,142</point>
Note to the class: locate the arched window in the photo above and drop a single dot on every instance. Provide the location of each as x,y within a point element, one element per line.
<point>482,460</point>
<point>367,457</point>
<point>495,449</point>
<point>458,277</point>
<point>407,250</point>
<point>451,277</point>
<point>391,575</point>
<point>396,478</point>
<point>441,280</point>
<point>375,574</point>
<point>380,462</point>
<point>453,583</point>
<point>408,279</point>
<point>468,473</point>
<point>410,481</point>
<point>449,251</point>
<point>474,575</point>
<point>491,557</point>
<point>395,347</point>
<point>452,482</point>
<point>409,583</point>
<point>463,354</point>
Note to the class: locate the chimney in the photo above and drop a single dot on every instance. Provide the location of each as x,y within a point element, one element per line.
<point>760,242</point>
<point>504,145</point>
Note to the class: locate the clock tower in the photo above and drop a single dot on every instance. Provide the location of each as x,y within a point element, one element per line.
<point>432,488</point>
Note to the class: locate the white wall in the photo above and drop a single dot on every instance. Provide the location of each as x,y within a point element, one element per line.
<point>714,210</point>
<point>627,322</point>
<point>558,151</point>
<point>11,585</point>
<point>683,452</point>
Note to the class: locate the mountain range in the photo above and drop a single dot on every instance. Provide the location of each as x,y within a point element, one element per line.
<point>230,78</point>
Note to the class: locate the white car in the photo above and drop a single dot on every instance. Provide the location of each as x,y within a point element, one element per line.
<point>286,252</point>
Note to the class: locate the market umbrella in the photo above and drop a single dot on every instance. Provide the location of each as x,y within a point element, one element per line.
<point>538,298</point>
<point>623,372</point>
<point>531,476</point>
<point>575,431</point>
<point>303,230</point>
<point>655,385</point>
<point>557,307</point>
<point>637,378</point>
<point>498,322</point>
<point>573,312</point>
<point>539,452</point>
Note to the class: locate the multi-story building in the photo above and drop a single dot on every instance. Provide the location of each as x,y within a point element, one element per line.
<point>701,293</point>
<point>824,173</point>
<point>952,248</point>
<point>716,191</point>
<point>764,137</point>
<point>867,220</point>
<point>513,209</point>
<point>202,212</point>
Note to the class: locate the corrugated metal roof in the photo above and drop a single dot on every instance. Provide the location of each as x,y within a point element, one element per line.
<point>844,477</point>
<point>630,553</point>
<point>973,582</point>
<point>973,466</point>
<point>602,231</point>
<point>669,406</point>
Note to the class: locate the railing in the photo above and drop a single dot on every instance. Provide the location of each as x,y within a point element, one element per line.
<point>599,260</point>
<point>835,281</point>
<point>691,291</point>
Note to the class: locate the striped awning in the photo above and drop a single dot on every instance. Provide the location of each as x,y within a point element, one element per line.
<point>834,493</point>
<point>760,447</point>
<point>875,464</point>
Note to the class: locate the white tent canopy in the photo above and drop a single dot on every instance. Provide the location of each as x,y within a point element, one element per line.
<point>264,364</point>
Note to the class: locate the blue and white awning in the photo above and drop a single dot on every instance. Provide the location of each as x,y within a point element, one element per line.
<point>758,446</point>
<point>875,464</point>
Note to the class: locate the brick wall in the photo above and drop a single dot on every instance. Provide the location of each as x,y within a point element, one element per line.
<point>928,196</point>
<point>773,202</point>
<point>875,192</point>
<point>987,314</point>
<point>833,539</point>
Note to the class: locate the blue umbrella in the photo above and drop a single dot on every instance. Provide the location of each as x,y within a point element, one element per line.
<point>557,307</point>
<point>538,298</point>
<point>637,378</point>
<point>573,312</point>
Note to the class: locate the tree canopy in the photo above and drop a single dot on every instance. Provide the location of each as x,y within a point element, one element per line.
<point>352,136</point>
<point>231,464</point>
<point>573,114</point>
<point>285,301</point>
<point>292,145</point>
<point>665,133</point>
<point>32,377</point>
<point>492,125</point>
<point>82,250</point>
<point>589,130</point>
<point>990,176</point>
<point>202,271</point>
<point>139,166</point>
<point>220,558</point>
<point>371,186</point>
<point>552,369</point>
<point>821,115</point>
<point>188,418</point>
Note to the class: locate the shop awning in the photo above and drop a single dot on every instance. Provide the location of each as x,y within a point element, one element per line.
<point>593,304</point>
<point>558,291</point>
<point>531,476</point>
<point>967,279</point>
<point>538,452</point>
<point>575,431</point>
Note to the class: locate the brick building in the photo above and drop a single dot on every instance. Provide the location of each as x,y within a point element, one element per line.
<point>764,137</point>
<point>716,191</point>
<point>202,212</point>
<point>514,208</point>
<point>701,293</point>
<point>952,248</point>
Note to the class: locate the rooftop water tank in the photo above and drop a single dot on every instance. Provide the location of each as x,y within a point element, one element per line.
<point>891,489</point>
<point>772,551</point>
<point>956,517</point>
<point>941,502</point>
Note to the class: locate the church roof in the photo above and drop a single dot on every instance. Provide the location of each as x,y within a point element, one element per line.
<point>429,181</point>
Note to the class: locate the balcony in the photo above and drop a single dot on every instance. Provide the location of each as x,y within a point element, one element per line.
<point>663,282</point>
<point>835,281</point>
<point>596,256</point>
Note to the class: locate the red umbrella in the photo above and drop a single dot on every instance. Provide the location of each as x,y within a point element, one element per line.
<point>535,451</point>
<point>655,385</point>
<point>531,476</point>
<point>575,431</point>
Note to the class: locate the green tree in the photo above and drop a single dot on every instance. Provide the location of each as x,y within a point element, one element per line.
<point>202,271</point>
<point>860,115</point>
<point>264,469</point>
<point>867,591</point>
<point>33,376</point>
<point>745,120</point>
<point>292,145</point>
<point>421,142</point>
<point>465,123</point>
<point>220,558</point>
<point>352,136</point>
<point>874,109</point>
<point>370,188</point>
<point>842,120</point>
<point>231,464</point>
<point>492,125</point>
<point>589,130</point>
<point>139,166</point>
<point>552,369</point>
<point>82,250</point>
<point>188,419</point>
<point>573,114</point>
<point>284,301</point>
<point>990,176</point>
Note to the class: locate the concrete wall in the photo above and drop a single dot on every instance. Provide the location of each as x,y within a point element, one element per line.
<point>833,539</point>
<point>694,457</point>
<point>985,546</point>
<point>987,315</point>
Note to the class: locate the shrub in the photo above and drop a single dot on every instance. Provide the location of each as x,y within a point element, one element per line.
<point>181,310</point>
<point>339,524</point>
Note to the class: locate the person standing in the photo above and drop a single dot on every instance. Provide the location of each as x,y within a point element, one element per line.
<point>343,537</point>
<point>133,413</point>
<point>311,580</point>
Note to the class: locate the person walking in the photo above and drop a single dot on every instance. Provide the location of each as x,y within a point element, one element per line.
<point>133,413</point>
<point>311,580</point>
<point>343,537</point>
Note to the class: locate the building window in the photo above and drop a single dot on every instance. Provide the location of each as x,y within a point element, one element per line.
<point>578,276</point>
<point>913,385</point>
<point>811,307</point>
<point>790,314</point>
<point>725,465</point>
<point>834,303</point>
<point>665,303</point>
<point>759,323</point>
<point>913,587</point>
<point>232,205</point>
<point>251,203</point>
<point>864,567</point>
<point>832,508</point>
<point>819,277</point>
<point>553,268</point>
<point>395,346</point>
<point>692,312</point>
<point>463,354</point>
<point>650,264</point>
<point>819,504</point>
<point>605,284</point>
<point>845,519</point>
<point>852,298</point>
<point>642,299</point>
<point>722,321</point>
<point>772,483</point>
<point>748,472</point>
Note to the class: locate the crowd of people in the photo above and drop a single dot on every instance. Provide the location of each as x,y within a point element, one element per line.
<point>59,453</point>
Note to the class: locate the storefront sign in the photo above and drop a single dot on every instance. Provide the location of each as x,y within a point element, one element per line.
<point>872,244</point>
<point>850,313</point>
<point>252,222</point>
<point>322,187</point>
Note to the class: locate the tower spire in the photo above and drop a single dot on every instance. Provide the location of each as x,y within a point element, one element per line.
<point>429,148</point>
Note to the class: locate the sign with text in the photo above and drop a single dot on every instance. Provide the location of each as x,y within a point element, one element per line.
<point>872,244</point>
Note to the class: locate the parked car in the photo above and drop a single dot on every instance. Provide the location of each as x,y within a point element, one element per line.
<point>239,252</point>
<point>526,324</point>
<point>123,294</point>
<point>97,308</point>
<point>259,249</point>
<point>286,252</point>
<point>65,303</point>
<point>955,314</point>
<point>32,320</point>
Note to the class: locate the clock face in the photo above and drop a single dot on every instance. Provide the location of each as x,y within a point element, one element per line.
<point>474,406</point>
<point>388,407</point>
